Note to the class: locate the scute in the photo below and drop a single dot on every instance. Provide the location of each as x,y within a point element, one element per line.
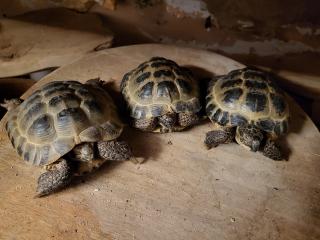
<point>41,130</point>
<point>167,89</point>
<point>146,91</point>
<point>247,96</point>
<point>256,101</point>
<point>48,124</point>
<point>143,77</point>
<point>232,96</point>
<point>159,86</point>
<point>231,83</point>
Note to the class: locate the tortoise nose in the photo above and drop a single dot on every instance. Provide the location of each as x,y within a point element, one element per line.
<point>255,145</point>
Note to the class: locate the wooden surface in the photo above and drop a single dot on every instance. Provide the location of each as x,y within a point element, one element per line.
<point>300,83</point>
<point>182,191</point>
<point>33,41</point>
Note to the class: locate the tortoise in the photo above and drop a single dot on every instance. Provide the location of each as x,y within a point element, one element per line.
<point>68,128</point>
<point>161,96</point>
<point>247,105</point>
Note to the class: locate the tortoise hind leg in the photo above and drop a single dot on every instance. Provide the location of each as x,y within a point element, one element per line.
<point>219,136</point>
<point>10,104</point>
<point>114,150</point>
<point>187,119</point>
<point>272,150</point>
<point>167,122</point>
<point>145,124</point>
<point>56,177</point>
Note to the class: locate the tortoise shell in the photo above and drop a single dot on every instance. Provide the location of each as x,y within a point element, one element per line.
<point>57,117</point>
<point>247,96</point>
<point>159,86</point>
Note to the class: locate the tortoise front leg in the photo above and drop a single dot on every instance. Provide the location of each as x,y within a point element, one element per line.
<point>114,150</point>
<point>145,124</point>
<point>57,176</point>
<point>272,150</point>
<point>219,136</point>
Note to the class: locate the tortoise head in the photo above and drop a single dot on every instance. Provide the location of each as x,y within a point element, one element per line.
<point>249,136</point>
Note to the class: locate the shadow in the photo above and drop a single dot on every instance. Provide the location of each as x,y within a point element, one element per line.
<point>297,119</point>
<point>103,170</point>
<point>295,62</point>
<point>144,145</point>
<point>286,151</point>
<point>203,76</point>
<point>113,89</point>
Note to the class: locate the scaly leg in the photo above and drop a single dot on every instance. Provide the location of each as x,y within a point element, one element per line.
<point>114,150</point>
<point>146,124</point>
<point>56,177</point>
<point>219,136</point>
<point>187,119</point>
<point>272,150</point>
<point>167,122</point>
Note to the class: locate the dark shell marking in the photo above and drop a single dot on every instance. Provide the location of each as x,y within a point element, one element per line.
<point>167,89</point>
<point>35,98</point>
<point>143,77</point>
<point>256,101</point>
<point>92,106</point>
<point>162,73</point>
<point>237,120</point>
<point>278,103</point>
<point>231,83</point>
<point>33,111</point>
<point>146,91</point>
<point>64,98</point>
<point>255,74</point>
<point>209,108</point>
<point>142,67</point>
<point>139,112</point>
<point>124,81</point>
<point>157,110</point>
<point>266,125</point>
<point>217,115</point>
<point>184,86</point>
<point>256,84</point>
<point>191,106</point>
<point>42,129</point>
<point>162,64</point>
<point>232,95</point>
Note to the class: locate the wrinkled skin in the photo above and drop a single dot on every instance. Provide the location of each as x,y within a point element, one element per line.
<point>60,173</point>
<point>248,136</point>
<point>169,122</point>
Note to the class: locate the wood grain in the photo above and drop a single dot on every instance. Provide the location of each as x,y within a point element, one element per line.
<point>33,42</point>
<point>182,191</point>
